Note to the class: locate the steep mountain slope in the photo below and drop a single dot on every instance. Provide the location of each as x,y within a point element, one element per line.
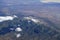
<point>33,28</point>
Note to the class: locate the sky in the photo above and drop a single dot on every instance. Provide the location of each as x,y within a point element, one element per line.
<point>16,2</point>
<point>28,1</point>
<point>47,1</point>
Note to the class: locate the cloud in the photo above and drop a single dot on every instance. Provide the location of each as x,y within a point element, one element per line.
<point>18,35</point>
<point>47,1</point>
<point>32,19</point>
<point>5,18</point>
<point>18,29</point>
